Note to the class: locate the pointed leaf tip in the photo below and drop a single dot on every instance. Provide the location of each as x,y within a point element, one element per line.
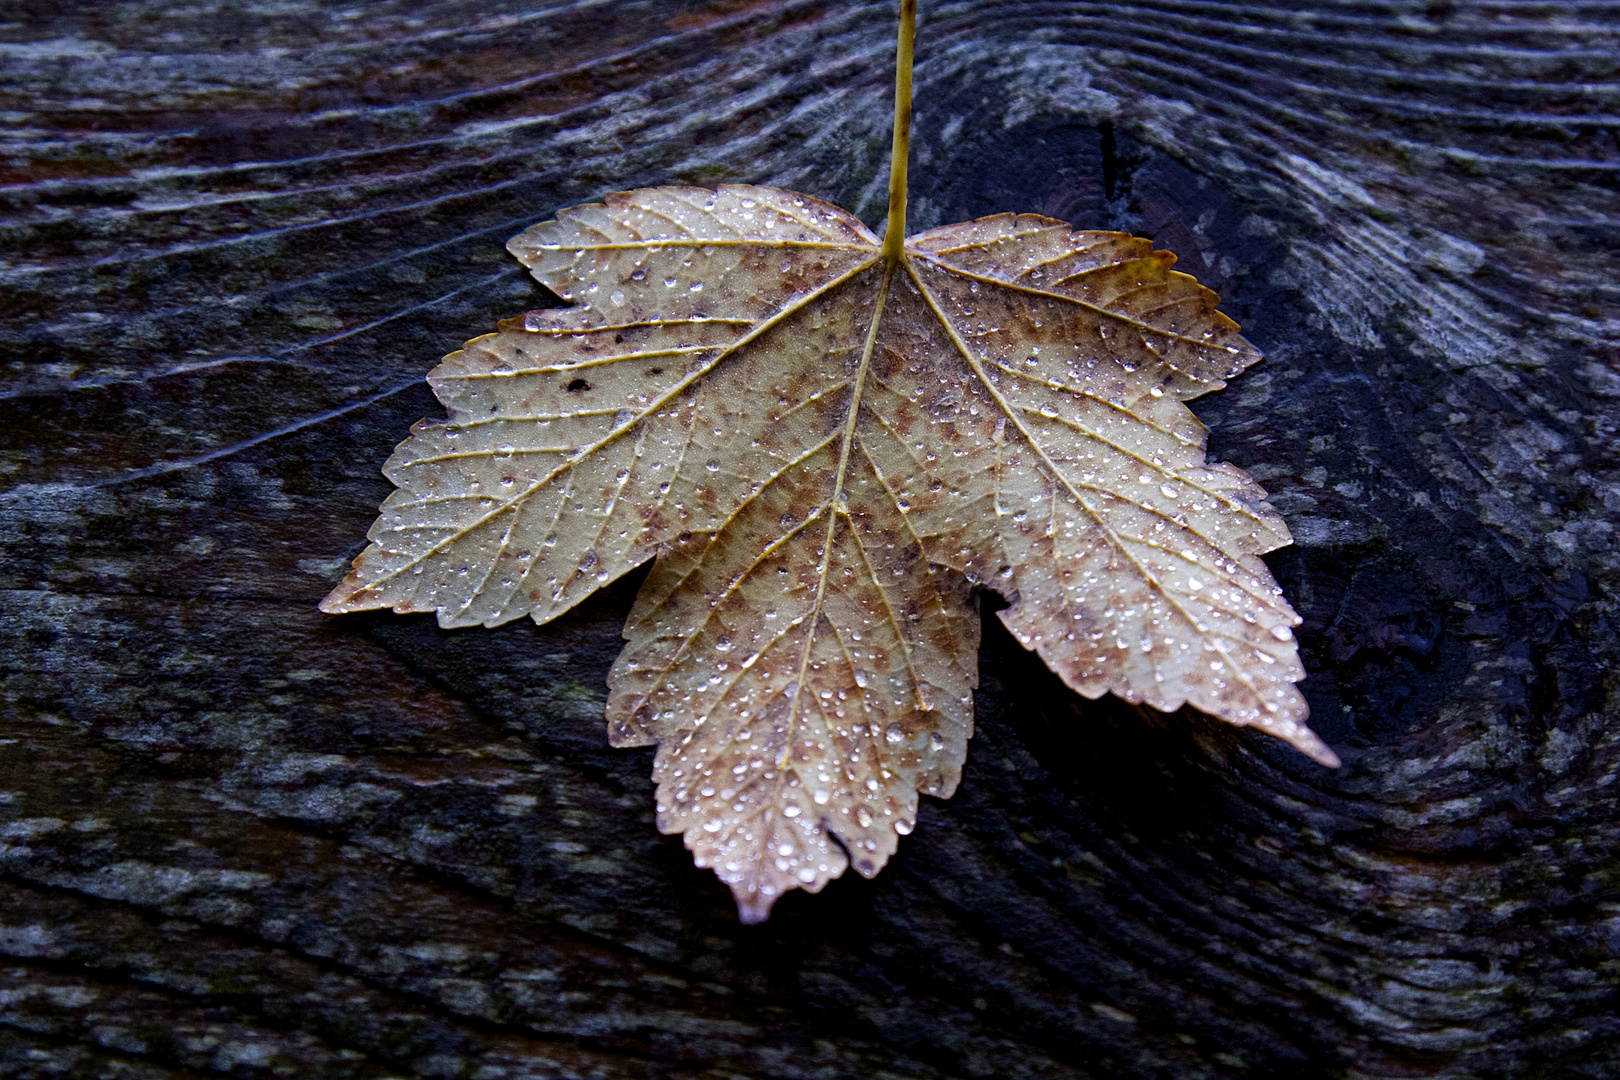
<point>753,909</point>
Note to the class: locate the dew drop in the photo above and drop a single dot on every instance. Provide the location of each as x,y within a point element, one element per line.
<point>863,816</point>
<point>894,733</point>
<point>617,297</point>
<point>903,826</point>
<point>1282,633</point>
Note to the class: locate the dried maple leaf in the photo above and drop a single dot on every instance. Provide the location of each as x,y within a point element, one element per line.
<point>824,441</point>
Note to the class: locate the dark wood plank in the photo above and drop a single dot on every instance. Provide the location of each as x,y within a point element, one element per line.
<point>243,839</point>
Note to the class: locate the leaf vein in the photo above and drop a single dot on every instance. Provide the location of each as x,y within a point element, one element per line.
<point>1117,544</point>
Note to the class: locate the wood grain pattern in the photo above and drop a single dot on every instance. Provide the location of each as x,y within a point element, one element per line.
<point>242,837</point>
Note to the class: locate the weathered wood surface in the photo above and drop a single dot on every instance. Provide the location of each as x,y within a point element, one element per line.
<point>244,839</point>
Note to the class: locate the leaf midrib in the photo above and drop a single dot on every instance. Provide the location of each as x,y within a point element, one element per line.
<point>833,508</point>
<point>1012,414</point>
<point>1106,313</point>
<point>585,452</point>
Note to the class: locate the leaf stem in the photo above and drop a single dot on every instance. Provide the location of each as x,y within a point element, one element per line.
<point>894,240</point>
